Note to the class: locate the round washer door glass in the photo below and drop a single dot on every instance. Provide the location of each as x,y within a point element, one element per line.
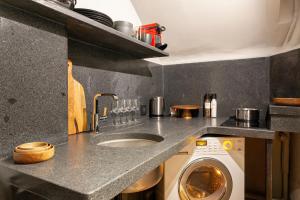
<point>205,179</point>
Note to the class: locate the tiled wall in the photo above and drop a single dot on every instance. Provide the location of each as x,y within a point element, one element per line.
<point>237,83</point>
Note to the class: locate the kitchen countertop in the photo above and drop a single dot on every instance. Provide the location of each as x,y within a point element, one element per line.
<point>81,169</point>
<point>284,110</point>
<point>285,118</point>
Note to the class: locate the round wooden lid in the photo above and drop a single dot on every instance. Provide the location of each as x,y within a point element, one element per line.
<point>186,107</point>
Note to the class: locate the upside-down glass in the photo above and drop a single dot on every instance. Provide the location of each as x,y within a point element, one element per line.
<point>133,109</point>
<point>124,111</point>
<point>128,109</point>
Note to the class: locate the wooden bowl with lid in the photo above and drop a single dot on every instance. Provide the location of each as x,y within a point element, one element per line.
<point>32,147</point>
<point>35,152</point>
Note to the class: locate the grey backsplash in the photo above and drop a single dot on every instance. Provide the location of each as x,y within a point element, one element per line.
<point>236,83</point>
<point>285,74</point>
<point>124,85</point>
<point>33,84</point>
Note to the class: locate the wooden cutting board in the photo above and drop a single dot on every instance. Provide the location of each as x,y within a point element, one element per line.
<point>286,101</point>
<point>77,116</point>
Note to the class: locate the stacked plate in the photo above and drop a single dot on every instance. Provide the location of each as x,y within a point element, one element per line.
<point>95,15</point>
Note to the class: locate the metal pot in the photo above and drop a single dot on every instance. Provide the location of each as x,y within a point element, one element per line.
<point>124,27</point>
<point>247,114</point>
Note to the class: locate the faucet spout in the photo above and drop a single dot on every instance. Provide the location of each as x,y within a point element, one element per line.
<point>95,114</point>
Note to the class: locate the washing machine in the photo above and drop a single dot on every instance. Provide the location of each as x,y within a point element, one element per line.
<point>208,168</point>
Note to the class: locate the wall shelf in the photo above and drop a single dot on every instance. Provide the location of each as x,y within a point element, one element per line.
<point>85,29</point>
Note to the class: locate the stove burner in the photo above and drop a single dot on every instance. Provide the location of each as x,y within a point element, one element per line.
<point>232,122</point>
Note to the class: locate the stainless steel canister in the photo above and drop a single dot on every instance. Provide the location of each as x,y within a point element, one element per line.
<point>157,106</point>
<point>124,27</point>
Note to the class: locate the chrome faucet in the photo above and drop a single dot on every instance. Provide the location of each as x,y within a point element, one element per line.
<point>95,114</point>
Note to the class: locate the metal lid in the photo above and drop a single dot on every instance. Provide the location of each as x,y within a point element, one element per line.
<point>158,97</point>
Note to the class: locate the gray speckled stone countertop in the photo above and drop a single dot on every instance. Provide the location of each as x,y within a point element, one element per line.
<point>83,170</point>
<point>284,110</point>
<point>285,118</point>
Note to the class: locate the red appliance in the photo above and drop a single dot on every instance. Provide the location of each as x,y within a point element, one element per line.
<point>155,30</point>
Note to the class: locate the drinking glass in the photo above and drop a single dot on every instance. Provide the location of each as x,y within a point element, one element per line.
<point>128,109</point>
<point>123,111</point>
<point>115,112</point>
<point>133,109</point>
<point>136,103</point>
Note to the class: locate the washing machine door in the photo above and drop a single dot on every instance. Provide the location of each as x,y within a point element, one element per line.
<point>205,179</point>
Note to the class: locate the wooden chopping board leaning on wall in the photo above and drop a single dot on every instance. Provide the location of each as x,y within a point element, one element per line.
<point>77,116</point>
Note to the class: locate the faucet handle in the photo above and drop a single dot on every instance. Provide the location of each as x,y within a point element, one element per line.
<point>104,112</point>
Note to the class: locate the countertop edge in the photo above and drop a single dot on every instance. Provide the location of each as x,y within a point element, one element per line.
<point>243,132</point>
<point>291,111</point>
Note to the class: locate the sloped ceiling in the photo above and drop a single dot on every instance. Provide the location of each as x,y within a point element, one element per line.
<point>205,30</point>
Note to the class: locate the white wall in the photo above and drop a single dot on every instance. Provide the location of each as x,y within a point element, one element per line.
<point>206,30</point>
<point>116,9</point>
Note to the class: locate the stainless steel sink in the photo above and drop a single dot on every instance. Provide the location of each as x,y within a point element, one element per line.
<point>136,140</point>
<point>149,180</point>
<point>130,140</point>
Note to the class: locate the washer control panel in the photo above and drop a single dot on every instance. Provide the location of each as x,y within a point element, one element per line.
<point>219,145</point>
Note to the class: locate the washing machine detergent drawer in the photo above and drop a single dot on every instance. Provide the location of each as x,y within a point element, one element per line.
<point>215,171</point>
